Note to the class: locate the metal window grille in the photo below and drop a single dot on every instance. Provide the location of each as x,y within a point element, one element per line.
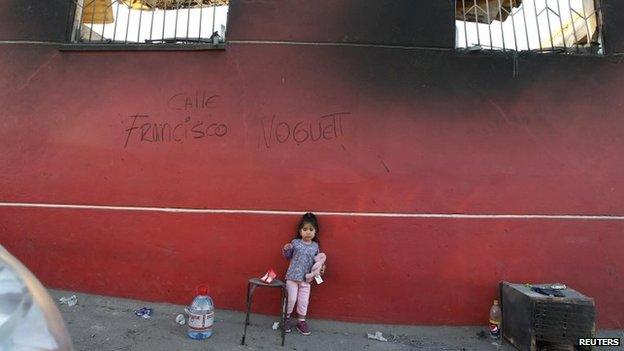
<point>149,22</point>
<point>553,26</point>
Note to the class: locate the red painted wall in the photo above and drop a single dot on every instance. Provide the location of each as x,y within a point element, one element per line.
<point>410,131</point>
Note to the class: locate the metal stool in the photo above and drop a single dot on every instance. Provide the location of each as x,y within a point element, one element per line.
<point>251,286</point>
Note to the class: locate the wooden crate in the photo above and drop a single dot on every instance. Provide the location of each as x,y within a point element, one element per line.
<point>533,322</point>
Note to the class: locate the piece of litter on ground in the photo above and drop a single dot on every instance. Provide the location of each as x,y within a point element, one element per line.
<point>144,312</point>
<point>377,336</point>
<point>275,326</point>
<point>69,301</point>
<point>180,319</point>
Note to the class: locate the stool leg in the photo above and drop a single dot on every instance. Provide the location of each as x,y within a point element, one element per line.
<point>284,302</point>
<point>249,295</point>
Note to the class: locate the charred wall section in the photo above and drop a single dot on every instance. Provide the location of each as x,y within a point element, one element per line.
<point>384,22</point>
<point>37,20</point>
<point>613,14</point>
<point>388,22</point>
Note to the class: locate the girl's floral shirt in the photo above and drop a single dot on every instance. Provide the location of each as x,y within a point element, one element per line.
<point>301,259</point>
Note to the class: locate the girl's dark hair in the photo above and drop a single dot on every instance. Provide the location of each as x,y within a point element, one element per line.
<point>308,218</point>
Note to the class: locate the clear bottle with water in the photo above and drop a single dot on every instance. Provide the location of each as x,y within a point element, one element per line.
<point>201,315</point>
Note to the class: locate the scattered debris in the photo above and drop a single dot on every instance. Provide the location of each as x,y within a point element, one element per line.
<point>173,4</point>
<point>377,336</point>
<point>180,319</point>
<point>144,312</point>
<point>489,10</point>
<point>408,340</point>
<point>275,325</point>
<point>69,301</point>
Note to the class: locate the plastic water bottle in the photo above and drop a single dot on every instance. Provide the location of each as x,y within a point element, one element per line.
<point>201,315</point>
<point>495,321</point>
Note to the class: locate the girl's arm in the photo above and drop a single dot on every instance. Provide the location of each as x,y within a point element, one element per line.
<point>287,250</point>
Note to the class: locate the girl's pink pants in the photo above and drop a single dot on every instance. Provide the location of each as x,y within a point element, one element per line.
<point>298,292</point>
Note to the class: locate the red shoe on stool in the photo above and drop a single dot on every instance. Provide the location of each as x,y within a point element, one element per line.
<point>269,276</point>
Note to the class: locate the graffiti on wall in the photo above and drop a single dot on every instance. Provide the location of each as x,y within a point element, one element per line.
<point>198,100</point>
<point>190,118</point>
<point>193,124</point>
<point>276,131</point>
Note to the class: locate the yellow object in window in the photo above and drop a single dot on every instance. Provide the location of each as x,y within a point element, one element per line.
<point>138,4</point>
<point>580,29</point>
<point>97,11</point>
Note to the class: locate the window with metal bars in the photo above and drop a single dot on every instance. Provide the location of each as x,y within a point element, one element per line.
<point>552,26</point>
<point>150,23</point>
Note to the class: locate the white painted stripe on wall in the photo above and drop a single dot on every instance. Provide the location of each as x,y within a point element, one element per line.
<point>323,213</point>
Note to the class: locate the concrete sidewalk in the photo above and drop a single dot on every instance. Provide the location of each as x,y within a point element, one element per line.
<point>105,323</point>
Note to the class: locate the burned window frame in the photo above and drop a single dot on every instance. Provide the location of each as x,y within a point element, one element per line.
<point>556,40</point>
<point>217,40</point>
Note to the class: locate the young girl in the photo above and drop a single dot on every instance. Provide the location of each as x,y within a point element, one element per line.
<point>301,251</point>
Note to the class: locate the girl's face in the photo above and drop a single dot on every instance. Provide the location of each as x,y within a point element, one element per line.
<point>307,232</point>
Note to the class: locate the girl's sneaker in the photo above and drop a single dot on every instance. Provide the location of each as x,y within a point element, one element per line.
<point>288,325</point>
<point>303,328</point>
